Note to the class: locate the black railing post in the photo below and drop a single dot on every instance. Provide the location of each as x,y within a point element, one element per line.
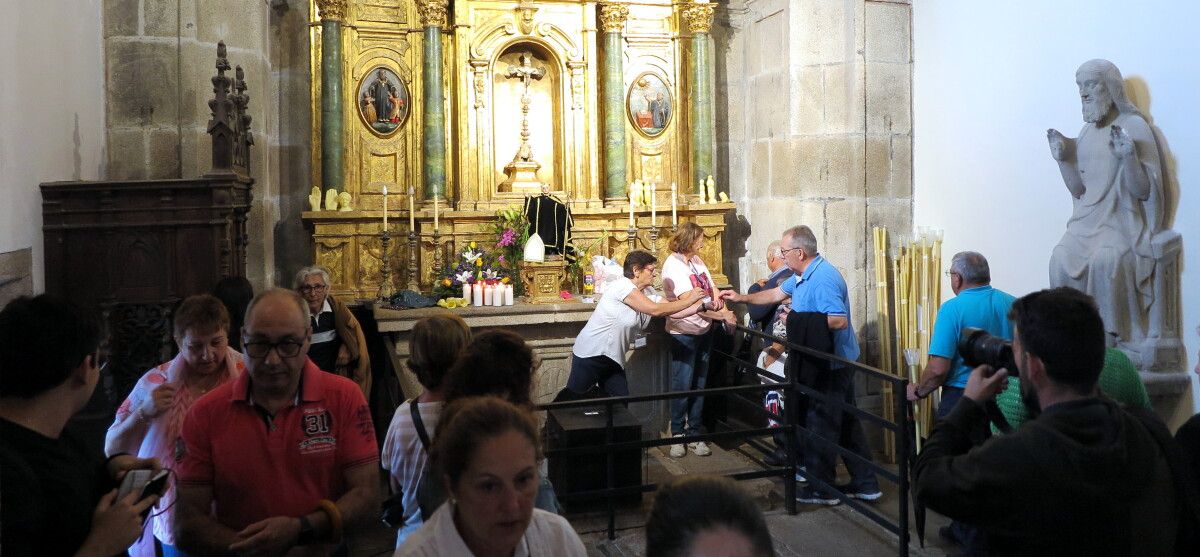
<point>791,413</point>
<point>610,479</point>
<point>902,440</point>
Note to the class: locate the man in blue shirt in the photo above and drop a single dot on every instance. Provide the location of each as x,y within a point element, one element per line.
<point>818,287</point>
<point>975,304</point>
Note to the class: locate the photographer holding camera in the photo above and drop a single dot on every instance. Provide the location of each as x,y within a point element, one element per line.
<point>1083,478</point>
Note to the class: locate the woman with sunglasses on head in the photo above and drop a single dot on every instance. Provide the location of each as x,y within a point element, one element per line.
<point>148,423</point>
<point>598,357</point>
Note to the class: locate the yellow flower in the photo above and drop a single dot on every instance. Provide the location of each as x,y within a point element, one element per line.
<point>478,262</point>
<point>472,245</point>
<point>504,280</point>
<point>446,282</point>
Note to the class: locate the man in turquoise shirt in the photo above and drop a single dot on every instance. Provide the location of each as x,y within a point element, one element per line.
<point>975,304</point>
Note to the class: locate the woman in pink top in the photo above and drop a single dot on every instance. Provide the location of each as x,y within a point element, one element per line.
<point>148,422</point>
<point>691,340</point>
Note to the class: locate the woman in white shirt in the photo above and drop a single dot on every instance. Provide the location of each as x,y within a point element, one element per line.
<point>691,340</point>
<point>625,309</point>
<point>486,452</point>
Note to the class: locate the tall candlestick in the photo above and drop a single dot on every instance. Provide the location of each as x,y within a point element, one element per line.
<point>412,216</point>
<point>435,212</point>
<point>653,205</point>
<point>631,201</point>
<point>674,218</point>
<point>385,207</point>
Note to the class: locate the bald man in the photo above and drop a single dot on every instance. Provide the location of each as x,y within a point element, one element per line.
<point>285,455</point>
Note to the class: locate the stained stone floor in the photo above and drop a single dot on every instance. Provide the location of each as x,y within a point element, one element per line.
<point>813,530</point>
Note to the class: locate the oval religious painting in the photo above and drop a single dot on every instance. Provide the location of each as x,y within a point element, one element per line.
<point>649,104</point>
<point>383,100</point>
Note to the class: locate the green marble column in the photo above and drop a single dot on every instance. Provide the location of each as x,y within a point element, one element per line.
<point>699,17</point>
<point>331,104</point>
<point>433,148</point>
<point>612,100</point>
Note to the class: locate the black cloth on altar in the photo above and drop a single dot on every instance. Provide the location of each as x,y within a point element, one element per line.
<point>550,219</point>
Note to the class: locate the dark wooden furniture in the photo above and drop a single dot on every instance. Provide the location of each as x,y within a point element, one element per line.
<point>134,249</point>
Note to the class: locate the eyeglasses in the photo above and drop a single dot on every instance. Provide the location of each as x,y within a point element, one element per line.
<point>950,273</point>
<point>285,349</point>
<point>784,252</point>
<point>313,287</point>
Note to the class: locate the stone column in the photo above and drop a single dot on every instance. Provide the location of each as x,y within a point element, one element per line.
<point>699,19</point>
<point>612,89</point>
<point>332,12</point>
<point>433,145</point>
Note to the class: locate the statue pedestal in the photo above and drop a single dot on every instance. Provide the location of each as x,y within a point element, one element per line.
<point>522,178</point>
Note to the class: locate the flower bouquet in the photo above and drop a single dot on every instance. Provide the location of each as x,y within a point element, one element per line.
<point>474,265</point>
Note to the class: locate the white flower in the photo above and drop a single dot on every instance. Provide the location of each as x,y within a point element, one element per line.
<point>472,255</point>
<point>464,277</point>
<point>491,274</point>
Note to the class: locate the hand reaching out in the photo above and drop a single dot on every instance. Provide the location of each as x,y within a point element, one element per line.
<point>1120,142</point>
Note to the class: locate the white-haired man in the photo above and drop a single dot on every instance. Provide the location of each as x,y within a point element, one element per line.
<point>338,344</point>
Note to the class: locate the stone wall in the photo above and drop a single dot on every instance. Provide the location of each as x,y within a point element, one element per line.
<point>159,58</point>
<point>814,127</point>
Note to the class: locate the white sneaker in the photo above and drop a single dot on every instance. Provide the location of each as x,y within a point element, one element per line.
<point>700,448</point>
<point>678,451</point>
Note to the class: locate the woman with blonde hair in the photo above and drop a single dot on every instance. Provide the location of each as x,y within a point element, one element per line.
<point>691,338</point>
<point>434,347</point>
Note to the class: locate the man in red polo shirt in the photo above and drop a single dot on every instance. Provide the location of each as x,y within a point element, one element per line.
<point>284,456</point>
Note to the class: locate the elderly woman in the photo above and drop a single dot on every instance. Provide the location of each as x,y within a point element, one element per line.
<point>433,348</point>
<point>691,338</point>
<point>486,454</point>
<point>338,344</point>
<point>625,309</point>
<point>148,423</point>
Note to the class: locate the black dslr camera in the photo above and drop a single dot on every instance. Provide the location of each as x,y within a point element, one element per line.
<point>977,348</point>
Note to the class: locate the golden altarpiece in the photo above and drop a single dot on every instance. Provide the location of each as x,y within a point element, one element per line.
<point>473,105</point>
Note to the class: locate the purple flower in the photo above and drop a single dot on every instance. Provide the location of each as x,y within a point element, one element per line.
<point>507,238</point>
<point>501,260</point>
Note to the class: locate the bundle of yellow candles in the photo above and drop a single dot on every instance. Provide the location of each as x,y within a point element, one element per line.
<point>908,292</point>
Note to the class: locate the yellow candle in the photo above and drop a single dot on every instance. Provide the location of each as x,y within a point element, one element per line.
<point>630,207</point>
<point>435,213</point>
<point>674,218</point>
<point>412,215</point>
<point>385,207</point>
<point>653,205</point>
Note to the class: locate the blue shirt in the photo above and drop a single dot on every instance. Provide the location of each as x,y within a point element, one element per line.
<point>982,307</point>
<point>822,289</point>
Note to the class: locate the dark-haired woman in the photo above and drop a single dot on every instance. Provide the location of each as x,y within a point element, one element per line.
<point>486,454</point>
<point>626,307</point>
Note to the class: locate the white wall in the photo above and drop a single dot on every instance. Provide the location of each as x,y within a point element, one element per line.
<point>51,110</point>
<point>991,76</point>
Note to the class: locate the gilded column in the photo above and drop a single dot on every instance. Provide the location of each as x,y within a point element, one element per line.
<point>433,150</point>
<point>699,18</point>
<point>332,13</point>
<point>612,89</point>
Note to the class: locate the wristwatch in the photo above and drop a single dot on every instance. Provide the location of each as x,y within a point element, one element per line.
<point>307,534</point>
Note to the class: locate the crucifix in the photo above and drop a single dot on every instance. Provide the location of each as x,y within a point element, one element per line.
<point>526,72</point>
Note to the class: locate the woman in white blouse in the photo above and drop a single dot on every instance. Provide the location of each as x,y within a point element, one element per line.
<point>486,452</point>
<point>598,357</point>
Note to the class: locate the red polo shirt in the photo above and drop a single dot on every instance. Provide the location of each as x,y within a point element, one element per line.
<point>261,466</point>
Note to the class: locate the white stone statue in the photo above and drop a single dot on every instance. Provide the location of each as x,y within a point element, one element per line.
<point>314,198</point>
<point>1115,247</point>
<point>331,200</point>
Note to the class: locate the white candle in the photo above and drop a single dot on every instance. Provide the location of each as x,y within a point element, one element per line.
<point>477,295</point>
<point>412,216</point>
<point>385,207</point>
<point>487,294</point>
<point>435,214</point>
<point>467,292</point>
<point>498,295</point>
<point>653,205</point>
<point>631,199</point>
<point>674,218</point>
<point>508,294</point>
